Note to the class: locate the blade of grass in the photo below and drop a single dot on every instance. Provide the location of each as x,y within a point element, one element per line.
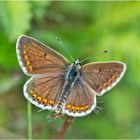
<point>29,113</point>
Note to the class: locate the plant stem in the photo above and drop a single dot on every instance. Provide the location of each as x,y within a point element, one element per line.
<point>65,127</point>
<point>29,113</point>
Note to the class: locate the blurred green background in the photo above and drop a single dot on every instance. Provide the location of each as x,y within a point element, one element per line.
<point>85,28</point>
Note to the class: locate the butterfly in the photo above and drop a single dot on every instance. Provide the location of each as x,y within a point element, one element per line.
<point>57,85</point>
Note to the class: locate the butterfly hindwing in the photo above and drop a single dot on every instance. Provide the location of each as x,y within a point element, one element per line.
<point>81,101</point>
<point>101,77</point>
<point>44,91</point>
<point>36,58</point>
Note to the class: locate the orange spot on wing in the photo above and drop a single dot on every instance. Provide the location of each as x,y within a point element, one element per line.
<point>30,68</point>
<point>26,57</point>
<point>77,108</point>
<point>28,63</point>
<point>34,95</point>
<point>44,101</point>
<point>113,77</point>
<point>51,102</point>
<point>24,52</point>
<point>82,108</point>
<point>86,107</point>
<point>39,98</point>
<point>105,84</point>
<point>68,106</point>
<point>109,81</point>
<point>72,107</point>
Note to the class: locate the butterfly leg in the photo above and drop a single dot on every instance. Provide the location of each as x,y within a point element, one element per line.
<point>56,115</point>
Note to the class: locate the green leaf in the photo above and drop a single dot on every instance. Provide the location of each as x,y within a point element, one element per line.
<point>121,105</point>
<point>15,17</point>
<point>39,8</point>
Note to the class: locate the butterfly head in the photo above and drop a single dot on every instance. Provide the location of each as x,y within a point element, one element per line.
<point>73,71</point>
<point>77,62</point>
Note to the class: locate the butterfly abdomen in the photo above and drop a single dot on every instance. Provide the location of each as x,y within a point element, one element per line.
<point>70,79</point>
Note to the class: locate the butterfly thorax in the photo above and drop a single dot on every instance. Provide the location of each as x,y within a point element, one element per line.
<point>71,76</point>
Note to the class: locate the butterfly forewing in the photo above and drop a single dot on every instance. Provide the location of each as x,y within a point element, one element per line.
<point>44,91</point>
<point>103,76</point>
<point>36,58</point>
<point>81,101</point>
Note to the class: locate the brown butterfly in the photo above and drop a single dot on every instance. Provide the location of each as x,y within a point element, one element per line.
<point>60,86</point>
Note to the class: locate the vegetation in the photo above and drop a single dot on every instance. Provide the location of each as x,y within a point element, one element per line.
<point>86,29</point>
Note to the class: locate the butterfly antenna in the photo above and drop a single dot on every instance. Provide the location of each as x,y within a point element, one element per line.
<point>64,48</point>
<point>105,51</point>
